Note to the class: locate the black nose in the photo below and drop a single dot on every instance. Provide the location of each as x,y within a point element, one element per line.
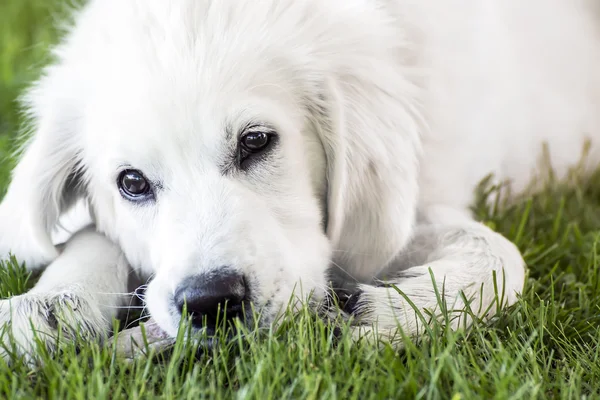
<point>212,298</point>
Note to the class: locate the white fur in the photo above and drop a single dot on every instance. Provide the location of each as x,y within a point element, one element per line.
<point>389,113</point>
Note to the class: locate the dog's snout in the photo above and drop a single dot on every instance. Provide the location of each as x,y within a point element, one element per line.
<point>209,298</point>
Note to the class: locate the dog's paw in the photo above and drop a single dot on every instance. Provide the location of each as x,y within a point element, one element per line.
<point>48,319</point>
<point>376,318</point>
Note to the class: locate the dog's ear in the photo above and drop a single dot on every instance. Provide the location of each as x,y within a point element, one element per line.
<point>46,180</point>
<point>372,146</point>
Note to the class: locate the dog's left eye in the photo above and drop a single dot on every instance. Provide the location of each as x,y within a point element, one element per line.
<point>254,143</point>
<point>133,185</point>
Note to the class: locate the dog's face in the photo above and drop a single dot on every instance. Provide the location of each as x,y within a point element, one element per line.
<point>232,148</point>
<point>210,179</point>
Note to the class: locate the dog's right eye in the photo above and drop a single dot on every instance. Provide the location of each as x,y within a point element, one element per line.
<point>134,186</point>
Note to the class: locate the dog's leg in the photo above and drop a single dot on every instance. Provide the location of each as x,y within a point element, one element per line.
<point>462,256</point>
<point>83,288</point>
<point>23,231</point>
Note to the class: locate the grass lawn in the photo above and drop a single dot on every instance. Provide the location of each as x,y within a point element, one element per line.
<point>545,346</point>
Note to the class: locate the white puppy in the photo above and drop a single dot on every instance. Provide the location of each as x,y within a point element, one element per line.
<point>237,150</point>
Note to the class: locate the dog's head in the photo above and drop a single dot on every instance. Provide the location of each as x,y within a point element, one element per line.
<point>235,150</point>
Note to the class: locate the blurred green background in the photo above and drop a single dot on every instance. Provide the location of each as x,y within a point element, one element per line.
<point>26,30</point>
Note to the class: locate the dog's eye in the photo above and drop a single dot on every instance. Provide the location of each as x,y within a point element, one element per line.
<point>133,185</point>
<point>255,141</point>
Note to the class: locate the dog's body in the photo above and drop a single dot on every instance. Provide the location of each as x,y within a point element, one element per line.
<point>382,115</point>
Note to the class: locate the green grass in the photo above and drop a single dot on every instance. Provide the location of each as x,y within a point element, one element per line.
<point>545,346</point>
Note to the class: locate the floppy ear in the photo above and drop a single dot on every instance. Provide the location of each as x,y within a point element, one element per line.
<point>45,182</point>
<point>372,145</point>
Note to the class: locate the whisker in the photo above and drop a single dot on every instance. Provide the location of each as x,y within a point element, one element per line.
<point>147,316</point>
<point>352,252</point>
<point>140,292</point>
<point>116,293</point>
<point>125,307</point>
<point>149,279</point>
<point>344,271</point>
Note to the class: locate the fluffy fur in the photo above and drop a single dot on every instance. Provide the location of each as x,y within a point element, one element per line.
<point>388,112</point>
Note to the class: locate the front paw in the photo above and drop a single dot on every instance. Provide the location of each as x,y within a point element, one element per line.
<point>49,319</point>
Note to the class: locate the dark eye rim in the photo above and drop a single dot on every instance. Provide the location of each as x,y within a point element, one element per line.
<point>146,195</point>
